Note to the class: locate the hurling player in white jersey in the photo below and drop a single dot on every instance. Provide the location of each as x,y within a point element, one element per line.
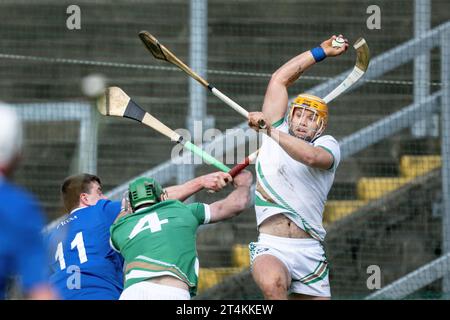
<point>295,170</point>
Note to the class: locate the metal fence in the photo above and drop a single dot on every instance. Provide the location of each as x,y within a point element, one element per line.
<point>388,206</point>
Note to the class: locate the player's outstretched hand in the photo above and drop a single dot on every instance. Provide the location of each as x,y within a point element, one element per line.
<point>243,179</point>
<point>216,181</point>
<point>254,119</point>
<point>335,46</point>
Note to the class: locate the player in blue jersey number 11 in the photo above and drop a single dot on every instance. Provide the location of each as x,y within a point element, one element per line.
<point>84,265</point>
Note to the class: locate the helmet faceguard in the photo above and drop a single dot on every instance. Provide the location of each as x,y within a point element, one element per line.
<point>314,104</point>
<point>144,191</point>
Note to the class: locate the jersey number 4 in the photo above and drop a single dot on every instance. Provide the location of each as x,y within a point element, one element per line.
<point>76,243</point>
<point>149,221</point>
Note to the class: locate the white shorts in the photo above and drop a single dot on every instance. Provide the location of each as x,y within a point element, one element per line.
<point>304,259</point>
<point>145,290</point>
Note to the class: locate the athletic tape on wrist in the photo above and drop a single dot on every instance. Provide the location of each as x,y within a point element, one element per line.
<point>318,54</point>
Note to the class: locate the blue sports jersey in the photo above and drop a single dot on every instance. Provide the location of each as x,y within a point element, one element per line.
<point>22,250</point>
<point>83,264</point>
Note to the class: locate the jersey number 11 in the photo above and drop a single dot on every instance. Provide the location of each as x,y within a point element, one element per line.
<point>79,244</point>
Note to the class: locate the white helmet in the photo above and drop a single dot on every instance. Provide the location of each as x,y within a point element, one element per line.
<point>10,135</point>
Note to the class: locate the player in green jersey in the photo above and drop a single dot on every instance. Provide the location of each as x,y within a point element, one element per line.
<point>157,238</point>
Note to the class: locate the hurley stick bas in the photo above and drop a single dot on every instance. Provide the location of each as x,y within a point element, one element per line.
<point>361,66</point>
<point>162,53</point>
<point>115,102</point>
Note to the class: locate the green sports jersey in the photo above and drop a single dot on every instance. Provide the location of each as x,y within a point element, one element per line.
<point>160,240</point>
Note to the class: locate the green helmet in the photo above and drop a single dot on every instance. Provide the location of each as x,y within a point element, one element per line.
<point>144,191</point>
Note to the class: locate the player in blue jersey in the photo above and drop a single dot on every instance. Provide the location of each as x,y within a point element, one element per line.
<point>22,250</point>
<point>84,265</point>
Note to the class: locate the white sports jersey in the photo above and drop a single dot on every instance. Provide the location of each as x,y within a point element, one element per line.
<point>287,186</point>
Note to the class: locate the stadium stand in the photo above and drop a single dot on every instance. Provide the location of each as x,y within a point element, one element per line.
<point>397,175</point>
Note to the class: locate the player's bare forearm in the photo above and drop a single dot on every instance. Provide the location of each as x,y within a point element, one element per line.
<point>288,73</point>
<point>215,181</point>
<point>183,191</point>
<point>302,151</point>
<point>236,201</point>
<point>232,205</point>
<point>276,98</point>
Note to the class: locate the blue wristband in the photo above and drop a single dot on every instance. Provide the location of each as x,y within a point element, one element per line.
<point>318,54</point>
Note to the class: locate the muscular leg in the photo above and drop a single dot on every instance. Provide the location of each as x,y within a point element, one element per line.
<point>271,276</point>
<point>299,296</point>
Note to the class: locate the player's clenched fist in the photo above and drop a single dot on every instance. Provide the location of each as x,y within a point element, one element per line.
<point>335,46</point>
<point>254,119</point>
<point>216,181</point>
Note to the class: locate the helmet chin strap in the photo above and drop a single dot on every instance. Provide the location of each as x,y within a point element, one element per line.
<point>319,131</point>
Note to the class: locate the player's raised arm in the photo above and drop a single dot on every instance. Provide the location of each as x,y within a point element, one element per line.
<point>236,201</point>
<point>276,97</point>
<point>214,181</point>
